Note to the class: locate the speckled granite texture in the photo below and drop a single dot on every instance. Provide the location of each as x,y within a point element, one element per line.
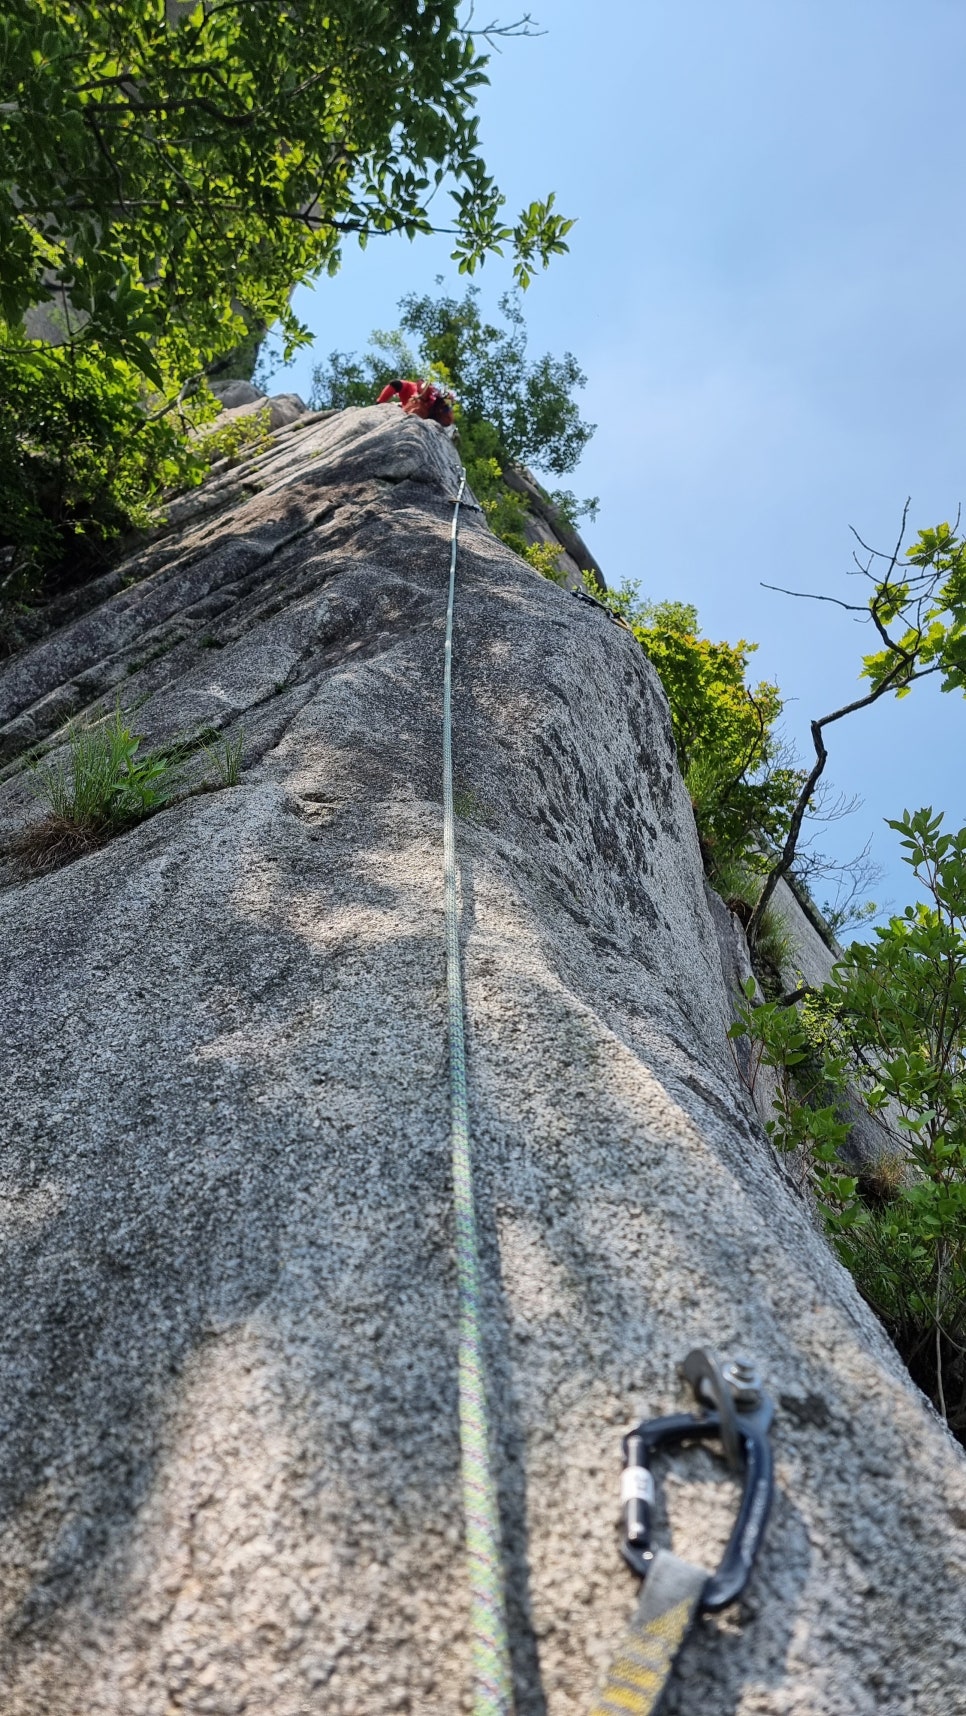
<point>228,1449</point>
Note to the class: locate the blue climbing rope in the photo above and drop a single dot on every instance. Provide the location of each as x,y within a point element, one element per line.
<point>492,1683</point>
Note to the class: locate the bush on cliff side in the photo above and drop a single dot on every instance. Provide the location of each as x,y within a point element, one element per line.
<point>889,1029</point>
<point>725,730</point>
<point>82,459</point>
<point>85,459</point>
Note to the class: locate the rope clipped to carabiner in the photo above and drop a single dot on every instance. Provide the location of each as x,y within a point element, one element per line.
<point>492,1682</point>
<point>734,1408</point>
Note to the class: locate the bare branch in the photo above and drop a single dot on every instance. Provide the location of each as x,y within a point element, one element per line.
<point>495,32</point>
<point>877,553</point>
<point>827,809</point>
<point>899,540</point>
<point>898,674</point>
<point>811,596</point>
<point>871,610</point>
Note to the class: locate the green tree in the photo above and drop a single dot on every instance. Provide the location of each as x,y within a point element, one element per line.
<point>528,406</point>
<point>510,409</point>
<point>725,731</point>
<point>889,1028</point>
<point>917,608</point>
<point>528,402</point>
<point>170,172</point>
<point>81,461</point>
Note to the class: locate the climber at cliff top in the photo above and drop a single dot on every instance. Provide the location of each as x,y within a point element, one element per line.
<point>420,399</point>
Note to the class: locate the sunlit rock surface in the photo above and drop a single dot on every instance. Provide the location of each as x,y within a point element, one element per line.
<point>228,1384</point>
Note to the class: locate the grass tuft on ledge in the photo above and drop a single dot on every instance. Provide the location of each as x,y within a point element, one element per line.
<point>104,784</point>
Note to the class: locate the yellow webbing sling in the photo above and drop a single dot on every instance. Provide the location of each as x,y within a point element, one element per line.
<point>669,1600</point>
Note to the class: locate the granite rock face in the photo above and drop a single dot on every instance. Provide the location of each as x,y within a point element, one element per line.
<point>544,523</point>
<point>228,1461</point>
<point>231,394</point>
<point>243,400</point>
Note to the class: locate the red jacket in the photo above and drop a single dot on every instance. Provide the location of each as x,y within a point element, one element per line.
<point>419,399</point>
<point>404,391</point>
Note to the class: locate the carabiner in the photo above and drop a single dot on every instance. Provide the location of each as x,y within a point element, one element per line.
<point>739,1412</point>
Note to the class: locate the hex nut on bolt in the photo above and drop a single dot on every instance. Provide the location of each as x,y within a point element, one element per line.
<point>743,1381</point>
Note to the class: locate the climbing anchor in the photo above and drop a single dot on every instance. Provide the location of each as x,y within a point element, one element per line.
<point>734,1408</point>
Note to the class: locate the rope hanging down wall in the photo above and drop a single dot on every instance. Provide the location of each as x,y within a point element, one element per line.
<point>732,1406</point>
<point>492,1685</point>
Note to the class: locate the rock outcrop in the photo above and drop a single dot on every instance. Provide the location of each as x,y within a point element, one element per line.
<point>545,523</point>
<point>240,399</point>
<point>229,1438</point>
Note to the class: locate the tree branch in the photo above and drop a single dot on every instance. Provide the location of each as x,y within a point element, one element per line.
<point>811,596</point>
<point>787,855</point>
<point>755,749</point>
<point>876,553</point>
<point>524,26</point>
<point>112,165</point>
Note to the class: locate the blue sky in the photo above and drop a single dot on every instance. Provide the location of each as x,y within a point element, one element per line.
<point>765,291</point>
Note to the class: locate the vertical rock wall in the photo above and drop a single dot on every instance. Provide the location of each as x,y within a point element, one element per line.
<point>228,1453</point>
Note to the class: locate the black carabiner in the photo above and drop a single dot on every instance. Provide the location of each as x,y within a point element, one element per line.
<point>741,1417</point>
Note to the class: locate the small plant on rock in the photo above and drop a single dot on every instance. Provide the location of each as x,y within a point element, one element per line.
<point>544,557</point>
<point>240,435</point>
<point>226,757</point>
<point>105,783</point>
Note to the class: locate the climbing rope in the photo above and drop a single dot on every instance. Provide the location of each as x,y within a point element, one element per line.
<point>492,1684</point>
<point>732,1406</point>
